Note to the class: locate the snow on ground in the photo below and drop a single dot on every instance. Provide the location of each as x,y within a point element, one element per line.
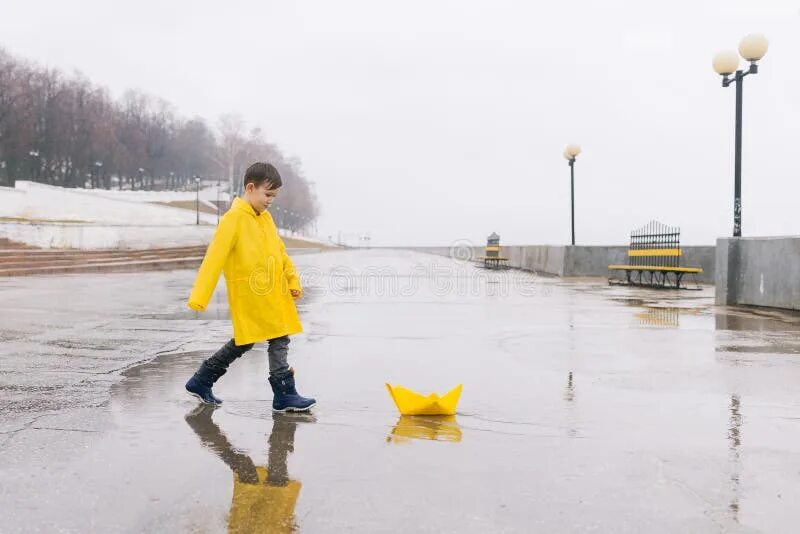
<point>56,217</point>
<point>41,202</point>
<point>208,195</point>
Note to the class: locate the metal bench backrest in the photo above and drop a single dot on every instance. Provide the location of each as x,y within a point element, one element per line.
<point>493,246</point>
<point>655,244</point>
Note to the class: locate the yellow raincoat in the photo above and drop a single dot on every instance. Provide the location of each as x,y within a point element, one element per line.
<point>258,274</point>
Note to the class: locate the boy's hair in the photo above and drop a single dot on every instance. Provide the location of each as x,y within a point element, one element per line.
<point>260,172</point>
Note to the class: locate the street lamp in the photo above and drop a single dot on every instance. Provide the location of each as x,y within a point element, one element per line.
<point>751,48</point>
<point>197,203</point>
<point>98,165</point>
<point>570,153</point>
<point>34,154</point>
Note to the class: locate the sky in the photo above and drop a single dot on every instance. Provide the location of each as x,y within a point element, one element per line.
<point>431,122</point>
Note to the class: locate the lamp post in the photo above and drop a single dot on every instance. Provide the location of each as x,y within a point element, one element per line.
<point>34,154</point>
<point>197,201</point>
<point>751,48</point>
<point>98,165</point>
<point>570,153</point>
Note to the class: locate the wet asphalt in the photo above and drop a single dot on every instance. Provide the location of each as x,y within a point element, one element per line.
<point>586,407</point>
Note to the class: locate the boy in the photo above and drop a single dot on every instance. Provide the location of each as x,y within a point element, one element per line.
<point>262,285</point>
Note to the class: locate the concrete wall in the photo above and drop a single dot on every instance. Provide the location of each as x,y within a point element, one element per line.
<point>576,261</point>
<point>100,236</point>
<point>11,201</point>
<point>592,261</point>
<point>704,257</point>
<point>106,236</point>
<point>541,259</point>
<point>207,194</point>
<point>42,202</point>
<point>759,271</point>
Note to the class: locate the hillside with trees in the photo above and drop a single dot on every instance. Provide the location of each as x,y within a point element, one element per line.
<point>64,130</point>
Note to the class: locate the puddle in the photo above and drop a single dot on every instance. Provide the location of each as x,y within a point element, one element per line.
<point>264,496</point>
<point>85,345</point>
<point>761,349</point>
<point>757,319</point>
<point>431,428</point>
<point>667,317</point>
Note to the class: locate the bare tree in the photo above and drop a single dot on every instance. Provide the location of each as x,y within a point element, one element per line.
<point>230,128</point>
<point>66,131</point>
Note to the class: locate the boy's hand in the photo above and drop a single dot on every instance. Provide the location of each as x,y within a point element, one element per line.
<point>295,293</point>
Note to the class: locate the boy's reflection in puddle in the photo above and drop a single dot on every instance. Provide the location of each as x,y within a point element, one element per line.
<point>264,498</point>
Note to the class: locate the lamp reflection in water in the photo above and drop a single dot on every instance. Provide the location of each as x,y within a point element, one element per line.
<point>569,399</point>
<point>430,427</point>
<point>735,446</point>
<point>264,498</point>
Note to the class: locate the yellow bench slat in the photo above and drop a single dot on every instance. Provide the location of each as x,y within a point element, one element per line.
<point>655,252</point>
<point>655,268</point>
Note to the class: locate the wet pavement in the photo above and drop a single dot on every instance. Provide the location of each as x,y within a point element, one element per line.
<point>586,407</point>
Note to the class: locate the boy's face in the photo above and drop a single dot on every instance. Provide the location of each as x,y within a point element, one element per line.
<point>260,197</point>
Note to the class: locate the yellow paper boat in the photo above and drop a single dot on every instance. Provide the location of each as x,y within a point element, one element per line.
<point>434,428</point>
<point>412,403</point>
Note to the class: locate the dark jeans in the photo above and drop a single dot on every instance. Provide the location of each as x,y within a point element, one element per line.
<point>217,365</point>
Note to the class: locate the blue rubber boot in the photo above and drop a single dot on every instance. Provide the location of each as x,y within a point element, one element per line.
<point>197,388</point>
<point>286,398</point>
<point>211,369</point>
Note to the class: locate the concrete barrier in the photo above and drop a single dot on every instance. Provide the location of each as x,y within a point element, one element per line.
<point>82,236</point>
<point>759,271</point>
<point>104,236</point>
<point>47,203</point>
<point>576,261</point>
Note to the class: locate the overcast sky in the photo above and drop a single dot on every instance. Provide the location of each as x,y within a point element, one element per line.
<point>424,122</point>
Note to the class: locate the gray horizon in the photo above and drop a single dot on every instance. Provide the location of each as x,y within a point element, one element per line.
<point>425,123</point>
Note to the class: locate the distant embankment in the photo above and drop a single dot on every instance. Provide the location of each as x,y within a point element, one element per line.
<point>17,259</point>
<point>46,216</point>
<point>91,236</point>
<point>576,261</point>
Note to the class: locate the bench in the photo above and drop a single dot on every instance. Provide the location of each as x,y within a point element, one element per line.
<point>654,258</point>
<point>493,259</point>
